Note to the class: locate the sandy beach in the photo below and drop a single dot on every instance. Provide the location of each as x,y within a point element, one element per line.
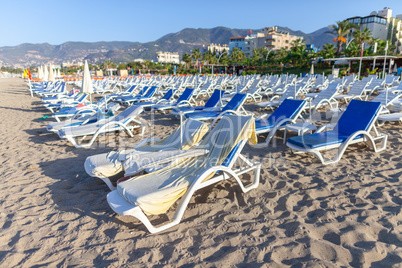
<point>303,214</point>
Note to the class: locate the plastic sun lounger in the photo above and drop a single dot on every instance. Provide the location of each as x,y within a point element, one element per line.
<point>123,98</point>
<point>168,95</point>
<point>156,192</point>
<point>82,118</point>
<point>119,122</point>
<point>232,106</point>
<point>354,126</point>
<point>286,113</point>
<point>146,97</point>
<point>184,99</point>
<point>88,109</point>
<point>210,104</point>
<point>109,164</point>
<point>126,92</point>
<point>67,103</point>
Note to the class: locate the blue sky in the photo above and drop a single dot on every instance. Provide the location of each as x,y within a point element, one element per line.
<point>58,21</point>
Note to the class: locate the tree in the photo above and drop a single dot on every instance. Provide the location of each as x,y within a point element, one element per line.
<point>297,52</point>
<point>196,55</point>
<point>122,66</point>
<point>328,51</point>
<point>237,55</point>
<point>352,50</point>
<point>223,58</point>
<point>340,29</point>
<point>187,59</point>
<point>209,57</point>
<point>258,53</point>
<point>362,37</point>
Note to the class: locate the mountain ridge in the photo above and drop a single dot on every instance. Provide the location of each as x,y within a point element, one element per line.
<point>184,41</point>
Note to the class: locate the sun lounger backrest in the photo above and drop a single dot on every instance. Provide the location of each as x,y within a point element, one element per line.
<point>168,94</point>
<point>235,102</point>
<point>232,153</point>
<point>192,131</point>
<point>142,91</point>
<point>288,109</point>
<point>186,95</point>
<point>225,135</point>
<point>359,115</point>
<point>131,88</point>
<point>82,97</point>
<point>385,98</point>
<point>214,99</point>
<point>128,113</point>
<point>150,92</point>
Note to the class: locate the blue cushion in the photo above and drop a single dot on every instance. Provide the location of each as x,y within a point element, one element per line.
<point>198,115</point>
<point>214,99</point>
<point>234,103</point>
<point>288,109</point>
<point>316,140</point>
<point>358,116</point>
<point>263,124</point>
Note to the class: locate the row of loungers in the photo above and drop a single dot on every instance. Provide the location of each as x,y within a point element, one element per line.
<point>198,154</point>
<point>209,156</point>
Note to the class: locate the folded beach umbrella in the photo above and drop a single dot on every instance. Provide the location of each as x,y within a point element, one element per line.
<point>40,72</point>
<point>312,69</point>
<point>51,74</point>
<point>45,73</point>
<point>86,81</point>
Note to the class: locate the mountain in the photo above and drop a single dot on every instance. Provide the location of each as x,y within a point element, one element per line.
<point>182,42</point>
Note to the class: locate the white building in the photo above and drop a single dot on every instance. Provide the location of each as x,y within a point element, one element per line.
<point>168,57</point>
<point>381,24</point>
<point>253,41</point>
<point>218,48</point>
<point>276,40</point>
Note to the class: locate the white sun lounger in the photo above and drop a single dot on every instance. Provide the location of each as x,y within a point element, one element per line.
<point>156,192</point>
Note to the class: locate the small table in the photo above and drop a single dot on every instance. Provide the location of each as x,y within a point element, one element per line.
<point>300,128</point>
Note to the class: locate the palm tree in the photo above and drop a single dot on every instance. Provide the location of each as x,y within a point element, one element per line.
<point>328,51</point>
<point>187,59</point>
<point>340,29</point>
<point>362,37</point>
<point>352,50</point>
<point>196,55</point>
<point>237,55</point>
<point>256,56</point>
<point>297,51</point>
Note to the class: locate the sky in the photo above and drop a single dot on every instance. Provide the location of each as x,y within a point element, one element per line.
<point>56,22</point>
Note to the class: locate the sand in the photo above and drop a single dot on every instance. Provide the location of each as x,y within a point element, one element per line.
<point>303,214</point>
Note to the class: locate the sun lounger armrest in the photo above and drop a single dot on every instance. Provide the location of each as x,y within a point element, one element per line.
<point>143,142</point>
<point>79,112</point>
<point>274,97</point>
<point>183,103</point>
<point>325,127</point>
<point>262,116</point>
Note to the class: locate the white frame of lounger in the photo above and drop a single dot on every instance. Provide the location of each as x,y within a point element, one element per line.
<point>123,207</point>
<point>102,130</point>
<point>278,126</point>
<point>367,138</point>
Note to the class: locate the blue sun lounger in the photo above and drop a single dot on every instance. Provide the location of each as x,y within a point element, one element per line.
<point>121,99</point>
<point>354,126</point>
<point>210,104</point>
<point>232,106</point>
<point>184,99</point>
<point>146,97</point>
<point>164,100</point>
<point>286,113</point>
